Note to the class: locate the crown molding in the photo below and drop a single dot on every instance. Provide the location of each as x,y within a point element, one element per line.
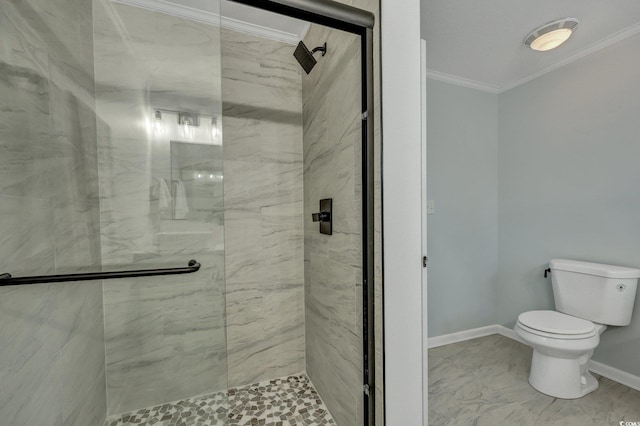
<point>461,81</point>
<point>260,31</point>
<point>169,8</point>
<point>589,50</point>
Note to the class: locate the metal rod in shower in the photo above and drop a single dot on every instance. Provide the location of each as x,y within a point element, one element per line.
<point>7,279</point>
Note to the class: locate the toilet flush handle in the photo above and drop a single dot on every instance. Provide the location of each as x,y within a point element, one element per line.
<point>547,271</point>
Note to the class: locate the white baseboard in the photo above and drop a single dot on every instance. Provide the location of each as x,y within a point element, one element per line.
<point>461,336</point>
<point>508,332</point>
<point>614,374</point>
<point>596,367</point>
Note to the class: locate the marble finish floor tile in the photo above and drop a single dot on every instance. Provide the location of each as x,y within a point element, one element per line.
<point>484,381</point>
<point>287,401</point>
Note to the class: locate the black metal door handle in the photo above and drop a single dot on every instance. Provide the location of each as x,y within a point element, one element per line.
<point>321,217</point>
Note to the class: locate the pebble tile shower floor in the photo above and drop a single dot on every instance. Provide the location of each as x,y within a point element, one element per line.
<point>288,401</point>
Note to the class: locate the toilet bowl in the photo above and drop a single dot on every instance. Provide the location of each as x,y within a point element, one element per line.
<point>562,346</point>
<point>588,297</point>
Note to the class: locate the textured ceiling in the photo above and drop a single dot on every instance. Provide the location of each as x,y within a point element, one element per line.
<point>481,42</point>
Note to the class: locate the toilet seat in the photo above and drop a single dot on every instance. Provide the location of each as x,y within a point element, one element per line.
<point>556,325</point>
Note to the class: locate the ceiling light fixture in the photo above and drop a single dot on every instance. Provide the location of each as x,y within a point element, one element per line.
<point>551,35</point>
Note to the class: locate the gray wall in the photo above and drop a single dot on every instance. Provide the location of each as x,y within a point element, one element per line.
<point>372,6</point>
<point>52,354</point>
<point>332,263</point>
<point>568,183</point>
<point>462,235</point>
<point>262,125</point>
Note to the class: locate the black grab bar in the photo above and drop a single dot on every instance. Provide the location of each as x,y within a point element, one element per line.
<point>7,279</point>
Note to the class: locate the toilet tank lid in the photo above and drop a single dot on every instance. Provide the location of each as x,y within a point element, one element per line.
<point>598,269</point>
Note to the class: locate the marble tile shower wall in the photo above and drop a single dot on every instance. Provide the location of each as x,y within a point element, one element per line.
<point>333,274</point>
<point>52,354</point>
<point>262,123</point>
<point>373,6</point>
<point>164,336</point>
<point>49,182</point>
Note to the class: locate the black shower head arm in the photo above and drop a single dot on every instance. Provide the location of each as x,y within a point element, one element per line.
<point>322,49</point>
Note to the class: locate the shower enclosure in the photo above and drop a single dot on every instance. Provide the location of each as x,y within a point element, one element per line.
<point>137,135</point>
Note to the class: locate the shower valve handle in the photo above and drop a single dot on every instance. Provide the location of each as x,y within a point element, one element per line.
<point>325,216</point>
<point>321,217</point>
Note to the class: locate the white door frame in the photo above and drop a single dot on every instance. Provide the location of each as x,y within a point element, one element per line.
<point>423,146</point>
<point>401,174</point>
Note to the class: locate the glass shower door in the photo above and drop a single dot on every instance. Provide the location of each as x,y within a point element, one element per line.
<point>157,72</point>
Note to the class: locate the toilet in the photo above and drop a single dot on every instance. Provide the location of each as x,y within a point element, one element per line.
<point>588,298</point>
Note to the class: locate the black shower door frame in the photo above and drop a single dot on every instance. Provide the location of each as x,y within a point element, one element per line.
<point>359,22</point>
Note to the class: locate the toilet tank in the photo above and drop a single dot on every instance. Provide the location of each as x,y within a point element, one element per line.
<point>596,292</point>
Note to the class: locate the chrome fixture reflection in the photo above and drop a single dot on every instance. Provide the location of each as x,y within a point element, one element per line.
<point>158,125</point>
<point>196,127</point>
<point>208,176</point>
<point>215,130</point>
<point>188,119</point>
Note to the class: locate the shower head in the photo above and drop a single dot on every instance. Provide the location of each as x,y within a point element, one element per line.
<point>305,57</point>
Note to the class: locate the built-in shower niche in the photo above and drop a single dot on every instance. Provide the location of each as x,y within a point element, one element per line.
<point>194,190</point>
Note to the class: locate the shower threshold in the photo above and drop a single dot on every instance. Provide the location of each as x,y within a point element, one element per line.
<point>287,401</point>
